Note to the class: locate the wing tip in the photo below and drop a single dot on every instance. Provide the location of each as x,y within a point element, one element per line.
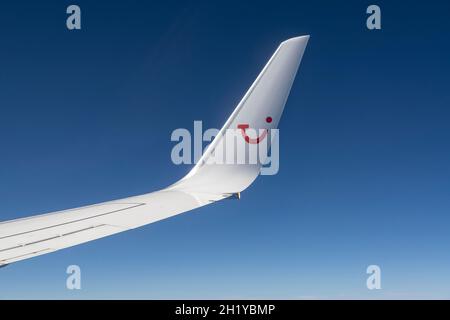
<point>298,39</point>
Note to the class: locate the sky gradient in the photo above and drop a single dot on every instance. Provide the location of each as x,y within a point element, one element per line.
<point>86,117</point>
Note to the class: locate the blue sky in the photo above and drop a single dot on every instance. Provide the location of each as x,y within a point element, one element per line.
<point>86,116</point>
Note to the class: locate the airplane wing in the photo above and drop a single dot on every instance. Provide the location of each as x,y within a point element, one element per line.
<point>206,183</point>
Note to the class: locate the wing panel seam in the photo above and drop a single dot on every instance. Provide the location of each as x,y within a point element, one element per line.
<point>67,223</point>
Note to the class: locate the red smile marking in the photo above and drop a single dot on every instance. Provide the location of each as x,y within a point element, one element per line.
<point>243,127</point>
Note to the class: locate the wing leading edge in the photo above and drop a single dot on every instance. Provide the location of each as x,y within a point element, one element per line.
<point>206,183</point>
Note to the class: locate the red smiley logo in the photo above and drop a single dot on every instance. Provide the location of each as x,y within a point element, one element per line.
<point>243,127</point>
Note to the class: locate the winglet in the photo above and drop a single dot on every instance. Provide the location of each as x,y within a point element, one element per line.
<point>265,99</point>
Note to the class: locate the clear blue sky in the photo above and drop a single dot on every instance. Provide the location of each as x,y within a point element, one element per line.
<point>86,116</point>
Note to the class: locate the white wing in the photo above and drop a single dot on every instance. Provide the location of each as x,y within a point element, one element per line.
<point>28,237</point>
